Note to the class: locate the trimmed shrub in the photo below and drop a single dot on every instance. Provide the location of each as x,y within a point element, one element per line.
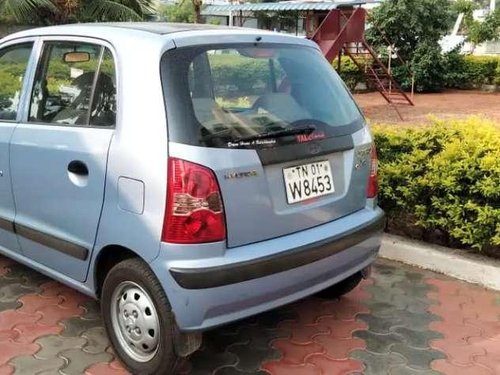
<point>245,73</point>
<point>428,66</point>
<point>497,74</point>
<point>349,72</point>
<point>465,72</point>
<point>481,69</point>
<point>456,71</point>
<point>442,180</point>
<point>434,71</point>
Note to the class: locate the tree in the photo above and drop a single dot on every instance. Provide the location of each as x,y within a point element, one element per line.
<point>49,12</point>
<point>478,31</point>
<point>197,4</point>
<point>485,31</point>
<point>407,23</point>
<point>413,28</point>
<point>183,11</point>
<point>115,10</point>
<point>22,11</point>
<point>180,12</point>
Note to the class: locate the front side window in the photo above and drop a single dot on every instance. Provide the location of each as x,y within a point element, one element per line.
<point>74,85</point>
<point>13,63</point>
<point>240,96</point>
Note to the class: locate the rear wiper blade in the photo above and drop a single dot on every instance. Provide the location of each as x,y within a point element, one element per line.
<point>278,133</point>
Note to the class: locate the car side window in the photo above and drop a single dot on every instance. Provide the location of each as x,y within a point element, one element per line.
<point>103,112</point>
<point>74,85</point>
<point>13,63</point>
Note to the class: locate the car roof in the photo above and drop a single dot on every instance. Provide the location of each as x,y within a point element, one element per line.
<point>163,28</point>
<point>110,28</point>
<point>160,28</point>
<point>156,32</point>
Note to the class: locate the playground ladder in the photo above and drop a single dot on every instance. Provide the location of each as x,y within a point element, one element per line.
<point>343,31</point>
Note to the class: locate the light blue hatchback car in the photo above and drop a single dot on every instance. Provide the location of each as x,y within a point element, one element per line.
<point>188,176</point>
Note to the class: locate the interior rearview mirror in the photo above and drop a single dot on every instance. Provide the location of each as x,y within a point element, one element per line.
<point>76,57</point>
<point>258,53</point>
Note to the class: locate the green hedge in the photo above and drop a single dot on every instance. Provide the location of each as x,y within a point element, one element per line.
<point>245,73</point>
<point>497,75</point>
<point>481,69</point>
<point>466,72</point>
<point>442,181</point>
<point>349,72</point>
<point>452,70</point>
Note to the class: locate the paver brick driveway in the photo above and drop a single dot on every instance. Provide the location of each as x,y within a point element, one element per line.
<point>401,321</point>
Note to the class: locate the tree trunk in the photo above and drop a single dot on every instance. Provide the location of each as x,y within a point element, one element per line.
<point>67,9</point>
<point>197,10</point>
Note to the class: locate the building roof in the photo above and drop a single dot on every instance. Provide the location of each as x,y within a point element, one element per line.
<point>284,6</point>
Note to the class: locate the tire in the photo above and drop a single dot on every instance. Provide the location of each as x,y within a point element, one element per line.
<point>138,319</point>
<point>341,288</point>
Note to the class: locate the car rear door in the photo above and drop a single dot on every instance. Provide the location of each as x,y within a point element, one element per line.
<point>14,68</point>
<point>59,153</point>
<point>242,94</point>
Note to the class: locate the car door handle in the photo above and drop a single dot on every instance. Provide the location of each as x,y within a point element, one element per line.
<point>78,167</point>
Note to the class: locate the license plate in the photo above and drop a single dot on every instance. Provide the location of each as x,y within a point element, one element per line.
<point>308,181</point>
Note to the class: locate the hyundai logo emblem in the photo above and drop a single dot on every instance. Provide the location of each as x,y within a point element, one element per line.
<point>314,148</point>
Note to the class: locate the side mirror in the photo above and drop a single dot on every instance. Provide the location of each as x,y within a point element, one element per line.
<point>76,57</point>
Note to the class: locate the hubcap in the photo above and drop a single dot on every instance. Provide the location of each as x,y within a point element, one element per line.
<point>135,321</point>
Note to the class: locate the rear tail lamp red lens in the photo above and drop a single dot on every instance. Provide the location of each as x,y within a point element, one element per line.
<point>373,178</point>
<point>194,212</point>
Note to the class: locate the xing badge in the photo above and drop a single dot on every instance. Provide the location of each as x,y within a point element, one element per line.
<point>237,175</point>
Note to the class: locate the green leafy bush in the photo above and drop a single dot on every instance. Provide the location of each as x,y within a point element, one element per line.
<point>497,74</point>
<point>428,66</point>
<point>349,72</point>
<point>481,69</point>
<point>229,70</point>
<point>443,179</point>
<point>465,72</point>
<point>456,71</point>
<point>434,70</point>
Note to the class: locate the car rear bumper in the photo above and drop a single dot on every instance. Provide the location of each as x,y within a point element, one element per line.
<point>205,294</point>
<point>211,277</point>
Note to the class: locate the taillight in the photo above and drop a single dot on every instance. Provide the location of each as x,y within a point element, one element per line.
<point>193,211</point>
<point>372,179</point>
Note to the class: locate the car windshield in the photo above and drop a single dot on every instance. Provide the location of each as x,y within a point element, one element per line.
<point>254,96</point>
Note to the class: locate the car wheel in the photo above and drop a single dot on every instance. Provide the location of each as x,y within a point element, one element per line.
<point>138,318</point>
<point>341,288</point>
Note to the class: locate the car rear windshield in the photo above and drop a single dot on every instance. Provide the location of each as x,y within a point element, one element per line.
<point>247,96</point>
